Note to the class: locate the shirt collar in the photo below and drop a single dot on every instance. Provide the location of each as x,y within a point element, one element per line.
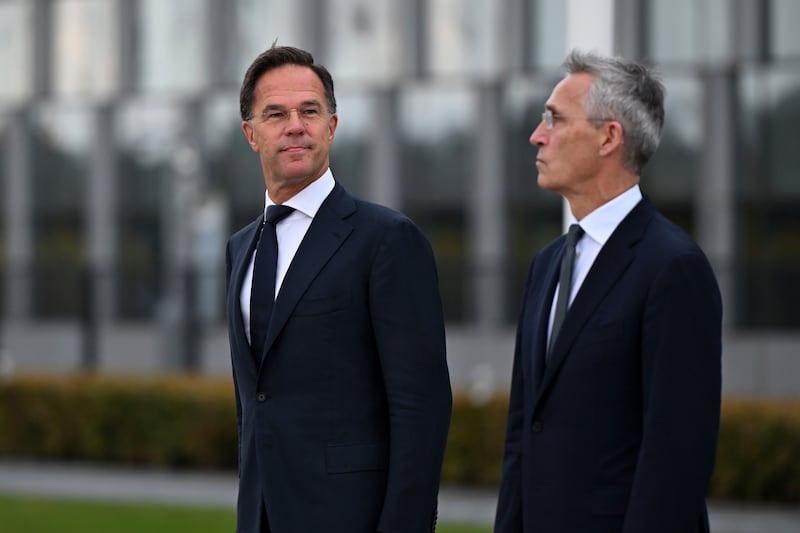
<point>308,200</point>
<point>601,223</point>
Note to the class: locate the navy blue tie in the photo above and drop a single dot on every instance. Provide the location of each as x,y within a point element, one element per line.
<point>262,293</point>
<point>565,281</point>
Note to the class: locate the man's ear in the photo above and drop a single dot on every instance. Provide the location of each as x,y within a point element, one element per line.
<point>247,128</point>
<point>613,137</point>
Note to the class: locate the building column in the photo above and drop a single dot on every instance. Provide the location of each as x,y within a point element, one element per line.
<point>714,198</point>
<point>101,230</point>
<point>487,227</point>
<point>19,223</point>
<point>383,176</point>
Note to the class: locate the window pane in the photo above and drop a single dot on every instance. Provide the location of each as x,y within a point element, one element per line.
<point>173,43</point>
<point>16,50</point>
<point>769,200</point>
<point>61,142</point>
<point>148,136</point>
<point>669,177</point>
<point>85,48</point>
<point>365,32</point>
<point>259,23</point>
<point>548,37</point>
<point>534,215</point>
<point>436,124</point>
<point>464,37</point>
<point>351,147</point>
<point>785,38</point>
<point>690,32</point>
<point>233,167</point>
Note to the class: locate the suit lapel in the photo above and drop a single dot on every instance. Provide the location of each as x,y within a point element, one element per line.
<point>241,262</point>
<point>326,234</point>
<point>542,316</point>
<point>612,261</point>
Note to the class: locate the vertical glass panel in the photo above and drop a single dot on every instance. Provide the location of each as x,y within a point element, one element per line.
<point>173,42</point>
<point>769,200</point>
<point>465,37</point>
<point>3,212</point>
<point>688,31</point>
<point>548,36</point>
<point>62,139</point>
<point>85,48</point>
<point>233,167</point>
<point>669,177</point>
<point>436,155</point>
<point>366,40</point>
<point>149,137</point>
<point>534,215</point>
<point>16,50</point>
<point>350,150</point>
<point>260,23</point>
<point>785,39</point>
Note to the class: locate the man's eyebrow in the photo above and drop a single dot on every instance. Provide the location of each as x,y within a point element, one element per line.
<point>306,103</point>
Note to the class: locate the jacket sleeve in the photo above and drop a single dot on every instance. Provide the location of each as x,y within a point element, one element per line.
<point>408,325</point>
<point>681,378</point>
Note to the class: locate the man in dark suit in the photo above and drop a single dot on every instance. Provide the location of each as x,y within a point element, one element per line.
<point>343,396</point>
<point>613,416</point>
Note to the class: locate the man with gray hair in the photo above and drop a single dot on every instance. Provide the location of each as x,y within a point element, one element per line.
<point>615,393</point>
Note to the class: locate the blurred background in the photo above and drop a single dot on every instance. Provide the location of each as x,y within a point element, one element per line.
<point>123,170</point>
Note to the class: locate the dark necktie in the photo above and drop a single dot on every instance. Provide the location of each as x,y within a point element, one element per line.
<point>565,281</point>
<point>262,293</point>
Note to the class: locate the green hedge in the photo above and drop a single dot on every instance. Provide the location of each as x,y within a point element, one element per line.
<point>190,422</point>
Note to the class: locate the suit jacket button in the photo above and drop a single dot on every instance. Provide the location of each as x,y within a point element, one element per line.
<point>261,397</point>
<point>537,426</point>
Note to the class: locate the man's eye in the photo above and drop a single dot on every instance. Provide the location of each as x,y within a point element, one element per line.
<point>310,112</point>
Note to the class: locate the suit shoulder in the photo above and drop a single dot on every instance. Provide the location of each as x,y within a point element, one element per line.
<point>237,237</point>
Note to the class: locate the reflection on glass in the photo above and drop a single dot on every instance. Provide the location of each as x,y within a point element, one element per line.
<point>465,37</point>
<point>686,31</point>
<point>172,40</point>
<point>61,139</point>
<point>785,39</point>
<point>233,168</point>
<point>365,40</point>
<point>768,196</point>
<point>670,175</point>
<point>16,50</point>
<point>436,171</point>
<point>350,150</point>
<point>548,37</point>
<point>148,137</point>
<point>260,23</point>
<point>85,48</point>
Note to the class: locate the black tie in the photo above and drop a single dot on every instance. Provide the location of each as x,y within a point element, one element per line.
<point>565,281</point>
<point>262,293</point>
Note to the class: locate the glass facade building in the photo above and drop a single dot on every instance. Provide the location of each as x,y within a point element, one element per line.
<point>123,167</point>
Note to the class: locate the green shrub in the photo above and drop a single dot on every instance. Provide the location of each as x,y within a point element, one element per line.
<point>156,422</point>
<point>190,422</point>
<point>758,456</point>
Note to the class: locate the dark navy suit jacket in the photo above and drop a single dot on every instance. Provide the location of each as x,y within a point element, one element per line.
<point>618,432</point>
<point>343,420</point>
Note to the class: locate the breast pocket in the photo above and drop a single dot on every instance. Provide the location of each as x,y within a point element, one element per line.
<point>321,305</point>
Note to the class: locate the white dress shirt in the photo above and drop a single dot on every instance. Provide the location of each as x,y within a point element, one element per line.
<point>290,232</point>
<point>598,225</point>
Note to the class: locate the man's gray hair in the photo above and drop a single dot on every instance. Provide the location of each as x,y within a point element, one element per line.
<point>628,92</point>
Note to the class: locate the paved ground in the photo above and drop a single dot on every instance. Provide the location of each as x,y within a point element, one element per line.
<point>219,489</point>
